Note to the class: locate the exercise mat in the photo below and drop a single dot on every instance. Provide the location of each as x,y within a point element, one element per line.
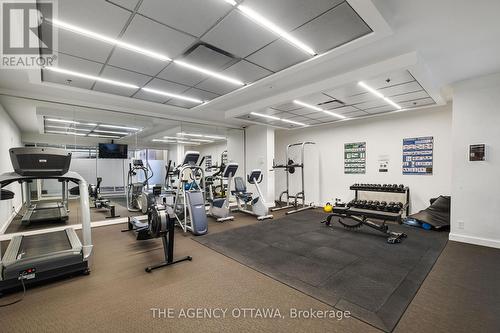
<point>437,214</point>
<point>351,270</point>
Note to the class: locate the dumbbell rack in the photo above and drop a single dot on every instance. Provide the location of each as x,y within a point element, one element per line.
<point>382,214</point>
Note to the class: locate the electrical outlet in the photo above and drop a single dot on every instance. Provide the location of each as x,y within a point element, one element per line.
<point>461,224</point>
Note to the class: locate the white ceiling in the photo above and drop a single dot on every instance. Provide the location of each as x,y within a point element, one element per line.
<point>211,34</point>
<point>455,40</point>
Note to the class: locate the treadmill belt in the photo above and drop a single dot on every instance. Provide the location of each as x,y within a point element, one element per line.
<point>56,214</point>
<point>36,245</point>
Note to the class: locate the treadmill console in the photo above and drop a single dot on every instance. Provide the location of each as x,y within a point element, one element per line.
<point>138,163</point>
<point>30,161</point>
<point>191,158</point>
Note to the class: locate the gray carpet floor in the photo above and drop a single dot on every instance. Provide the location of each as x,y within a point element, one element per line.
<point>353,270</point>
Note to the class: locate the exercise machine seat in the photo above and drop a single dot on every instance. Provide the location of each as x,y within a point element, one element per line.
<point>218,202</point>
<point>240,190</point>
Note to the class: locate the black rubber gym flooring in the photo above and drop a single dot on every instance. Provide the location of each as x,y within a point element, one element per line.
<point>352,270</point>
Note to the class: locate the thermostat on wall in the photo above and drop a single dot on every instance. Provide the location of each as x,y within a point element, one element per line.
<point>477,152</point>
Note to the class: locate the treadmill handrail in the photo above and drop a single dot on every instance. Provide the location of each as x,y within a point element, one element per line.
<point>11,177</point>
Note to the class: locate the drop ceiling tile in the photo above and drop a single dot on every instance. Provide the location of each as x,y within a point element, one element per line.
<point>166,86</point>
<point>355,114</point>
<point>153,36</point>
<point>316,99</point>
<point>192,16</point>
<point>122,76</point>
<point>200,94</point>
<point>73,63</point>
<point>147,96</point>
<point>202,56</point>
<point>410,96</point>
<point>381,109</point>
<point>371,104</point>
<point>181,103</point>
<point>96,15</point>
<point>289,14</point>
<point>301,119</point>
<point>344,109</point>
<point>400,89</point>
<point>304,111</point>
<point>182,75</point>
<point>129,4</point>
<point>82,46</point>
<point>417,103</point>
<point>334,28</point>
<point>398,77</point>
<point>271,111</point>
<point>278,55</point>
<point>287,107</point>
<point>243,71</point>
<point>316,115</point>
<point>232,34</point>
<point>330,105</point>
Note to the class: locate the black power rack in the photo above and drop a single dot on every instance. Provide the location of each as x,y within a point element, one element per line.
<point>375,208</point>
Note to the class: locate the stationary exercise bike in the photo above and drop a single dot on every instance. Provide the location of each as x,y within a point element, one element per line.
<point>219,207</point>
<point>258,205</point>
<point>353,220</point>
<point>137,192</point>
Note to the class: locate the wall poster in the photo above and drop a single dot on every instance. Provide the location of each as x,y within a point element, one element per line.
<point>355,158</point>
<point>418,155</point>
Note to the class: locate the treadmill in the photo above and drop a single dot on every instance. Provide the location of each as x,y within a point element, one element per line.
<point>46,211</point>
<point>34,258</point>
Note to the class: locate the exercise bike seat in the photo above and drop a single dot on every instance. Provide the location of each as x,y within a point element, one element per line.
<point>219,202</point>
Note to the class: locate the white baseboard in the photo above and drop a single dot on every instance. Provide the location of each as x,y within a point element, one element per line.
<point>475,240</point>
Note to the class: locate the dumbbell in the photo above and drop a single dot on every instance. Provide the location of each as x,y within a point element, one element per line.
<point>383,205</point>
<point>375,205</point>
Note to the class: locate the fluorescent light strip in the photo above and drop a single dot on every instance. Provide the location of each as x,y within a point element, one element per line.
<point>109,40</point>
<point>67,133</point>
<point>138,49</point>
<point>379,95</point>
<point>91,77</point>
<point>214,137</point>
<point>104,136</point>
<point>276,118</point>
<point>119,127</point>
<point>189,143</point>
<point>111,132</point>
<point>68,128</point>
<point>161,140</point>
<point>259,19</point>
<point>314,107</point>
<point>62,121</point>
<point>202,140</point>
<point>293,122</point>
<point>264,115</point>
<point>164,93</point>
<point>188,134</point>
<point>209,72</point>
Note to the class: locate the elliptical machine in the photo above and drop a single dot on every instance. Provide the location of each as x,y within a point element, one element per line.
<point>189,198</point>
<point>219,208</point>
<point>137,192</point>
<point>258,205</point>
<point>161,223</point>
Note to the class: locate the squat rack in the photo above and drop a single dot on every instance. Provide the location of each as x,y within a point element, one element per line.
<point>290,167</point>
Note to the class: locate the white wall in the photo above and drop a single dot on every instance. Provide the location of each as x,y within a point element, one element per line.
<point>10,136</point>
<point>259,142</point>
<point>476,185</point>
<point>236,149</point>
<point>214,150</point>
<point>383,136</point>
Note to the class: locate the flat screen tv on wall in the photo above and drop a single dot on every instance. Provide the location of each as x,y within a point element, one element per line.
<point>113,150</point>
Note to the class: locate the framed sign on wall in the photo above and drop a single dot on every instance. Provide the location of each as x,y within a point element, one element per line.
<point>418,155</point>
<point>355,158</point>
